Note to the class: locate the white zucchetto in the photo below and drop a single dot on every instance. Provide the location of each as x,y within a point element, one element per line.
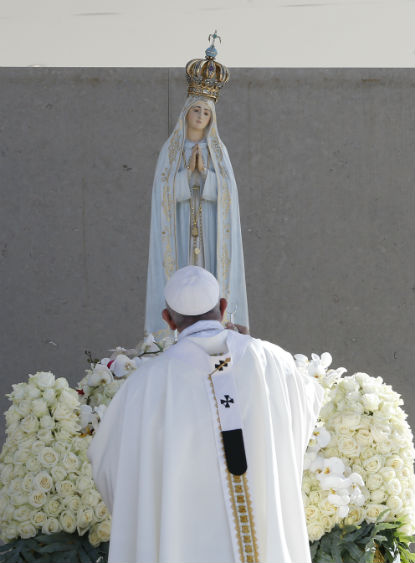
<point>192,291</point>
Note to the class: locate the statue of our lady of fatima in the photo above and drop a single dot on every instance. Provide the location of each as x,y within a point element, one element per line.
<point>194,208</point>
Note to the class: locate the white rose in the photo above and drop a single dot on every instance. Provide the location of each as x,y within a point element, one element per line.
<point>32,392</point>
<point>51,526</point>
<point>355,517</point>
<point>18,499</point>
<point>39,407</point>
<point>29,424</point>
<point>378,496</point>
<point>65,488</point>
<point>4,500</point>
<point>9,532</point>
<point>84,483</point>
<point>63,436</point>
<point>93,537</point>
<point>104,530</point>
<point>374,481</point>
<point>380,432</point>
<point>373,464</point>
<point>19,471</point>
<point>311,512</point>
<point>84,517</point>
<point>43,481</point>
<point>61,384</point>
<point>67,520</point>
<point>348,446</point>
<point>387,473</point>
<point>364,437</point>
<point>19,391</point>
<point>38,518</point>
<point>12,416</point>
<point>363,379</point>
<point>52,506</point>
<point>408,495</point>
<point>22,513</point>
<point>15,486</point>
<point>373,511</point>
<point>86,469</point>
<point>394,503</point>
<point>70,462</point>
<point>6,473</point>
<point>73,503</point>
<point>327,410</point>
<point>393,487</point>
<point>69,398</point>
<point>315,497</point>
<point>73,477</point>
<point>58,473</point>
<point>33,464</point>
<point>395,462</point>
<point>60,447</point>
<point>37,498</point>
<point>315,531</point>
<point>62,412</point>
<point>24,407</point>
<point>70,426</point>
<point>47,422</point>
<point>49,396</point>
<point>45,435</point>
<point>90,498</point>
<point>101,511</point>
<point>78,444</point>
<point>351,419</point>
<point>48,457</point>
<point>22,455</point>
<point>27,482</point>
<point>370,401</point>
<point>43,379</point>
<point>26,530</point>
<point>368,452</point>
<point>385,447</point>
<point>349,384</point>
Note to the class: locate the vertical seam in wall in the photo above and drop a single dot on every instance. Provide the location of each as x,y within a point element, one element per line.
<point>168,101</point>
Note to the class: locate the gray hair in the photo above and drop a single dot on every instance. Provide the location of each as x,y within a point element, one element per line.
<point>183,321</point>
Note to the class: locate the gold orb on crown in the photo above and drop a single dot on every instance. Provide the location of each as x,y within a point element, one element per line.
<point>205,77</point>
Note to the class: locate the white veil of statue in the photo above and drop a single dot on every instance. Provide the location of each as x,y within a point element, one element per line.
<point>188,228</point>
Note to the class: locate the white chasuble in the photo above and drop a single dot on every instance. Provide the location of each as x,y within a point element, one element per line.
<point>159,460</point>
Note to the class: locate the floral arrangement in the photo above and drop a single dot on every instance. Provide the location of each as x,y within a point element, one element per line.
<point>46,484</point>
<point>358,482</point>
<point>358,468</point>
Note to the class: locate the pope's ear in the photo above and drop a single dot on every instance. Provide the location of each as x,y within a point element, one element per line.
<point>167,318</point>
<point>222,306</point>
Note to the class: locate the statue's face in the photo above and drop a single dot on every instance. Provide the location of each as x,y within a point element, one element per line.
<point>198,116</point>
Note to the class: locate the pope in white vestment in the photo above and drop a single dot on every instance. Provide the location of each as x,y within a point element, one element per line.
<point>160,464</point>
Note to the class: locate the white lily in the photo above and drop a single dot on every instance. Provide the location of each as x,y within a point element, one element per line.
<point>85,415</point>
<point>100,375</point>
<point>123,365</point>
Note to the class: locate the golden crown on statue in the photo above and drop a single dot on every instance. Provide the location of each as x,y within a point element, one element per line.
<point>206,76</point>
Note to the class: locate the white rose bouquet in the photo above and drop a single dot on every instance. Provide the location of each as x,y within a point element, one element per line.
<point>359,462</point>
<point>46,484</point>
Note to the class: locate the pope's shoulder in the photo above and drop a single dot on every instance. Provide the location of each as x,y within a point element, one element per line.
<point>271,349</point>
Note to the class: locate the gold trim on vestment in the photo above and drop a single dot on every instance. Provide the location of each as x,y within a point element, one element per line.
<point>241,505</point>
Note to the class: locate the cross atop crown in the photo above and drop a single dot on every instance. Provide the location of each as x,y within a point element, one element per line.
<point>206,76</point>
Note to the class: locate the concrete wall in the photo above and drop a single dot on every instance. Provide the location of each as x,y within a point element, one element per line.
<point>323,162</point>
